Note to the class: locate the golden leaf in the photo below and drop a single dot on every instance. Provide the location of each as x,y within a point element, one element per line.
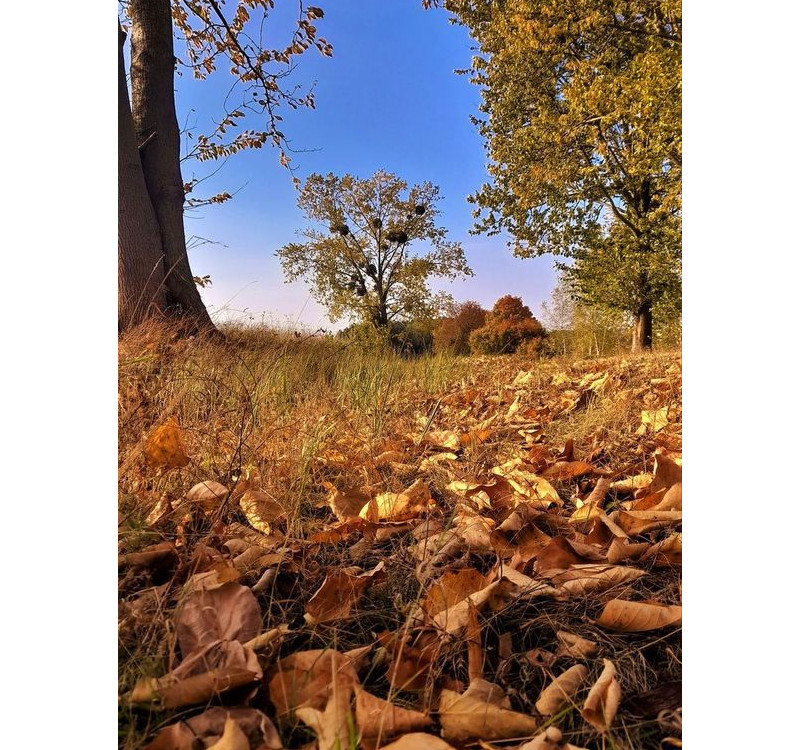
<point>165,447</point>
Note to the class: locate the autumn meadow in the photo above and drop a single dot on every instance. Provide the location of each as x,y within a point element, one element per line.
<point>441,506</point>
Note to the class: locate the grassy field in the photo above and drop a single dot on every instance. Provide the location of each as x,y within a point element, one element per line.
<point>395,546</point>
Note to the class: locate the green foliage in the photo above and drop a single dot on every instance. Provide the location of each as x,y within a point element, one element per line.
<point>582,105</point>
<point>357,256</point>
<point>510,327</point>
<point>452,333</point>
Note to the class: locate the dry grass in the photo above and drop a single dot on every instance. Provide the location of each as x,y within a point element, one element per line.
<point>274,404</point>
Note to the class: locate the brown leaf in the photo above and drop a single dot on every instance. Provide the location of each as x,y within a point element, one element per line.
<point>339,594</point>
<point>164,446</point>
<point>560,692</point>
<point>464,718</point>
<point>562,471</point>
<point>574,646</point>
<point>636,522</point>
<point>230,612</point>
<point>208,495</point>
<point>634,617</point>
<point>550,739</point>
<point>209,726</point>
<point>619,550</point>
<point>667,553</point>
<point>673,498</point>
<point>233,738</point>
<point>260,509</point>
<point>584,579</point>
<point>347,503</point>
<point>306,678</point>
<point>217,668</point>
<point>162,557</point>
<point>394,506</point>
<point>454,619</point>
<point>419,741</point>
<point>451,588</point>
<point>446,439</point>
<point>560,553</point>
<point>668,470</point>
<point>379,721</point>
<point>602,702</point>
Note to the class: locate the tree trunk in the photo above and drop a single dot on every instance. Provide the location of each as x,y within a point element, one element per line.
<point>643,330</point>
<point>156,127</point>
<point>139,255</point>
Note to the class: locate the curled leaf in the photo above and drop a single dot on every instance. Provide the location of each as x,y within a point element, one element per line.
<point>602,702</point>
<point>560,692</point>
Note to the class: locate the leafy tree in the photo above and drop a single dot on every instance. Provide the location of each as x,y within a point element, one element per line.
<point>154,273</point>
<point>361,264</point>
<point>582,104</point>
<point>510,327</point>
<point>452,333</point>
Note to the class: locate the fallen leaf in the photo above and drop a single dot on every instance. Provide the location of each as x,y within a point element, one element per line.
<point>451,588</point>
<point>584,579</point>
<point>668,470</point>
<point>305,679</point>
<point>339,594</point>
<point>260,509</point>
<point>164,446</point>
<point>394,506</point>
<point>204,674</point>
<point>631,484</point>
<point>550,739</point>
<point>560,692</point>
<point>656,419</point>
<point>562,471</point>
<point>560,553</point>
<point>464,718</point>
<point>418,741</point>
<point>230,612</point>
<point>672,500</point>
<point>620,550</point>
<point>233,738</point>
<point>454,619</point>
<point>602,702</point>
<point>637,522</point>
<point>209,726</point>
<point>208,495</point>
<point>379,721</point>
<point>445,439</point>
<point>634,617</point>
<point>574,646</point>
<point>667,552</point>
<point>346,504</point>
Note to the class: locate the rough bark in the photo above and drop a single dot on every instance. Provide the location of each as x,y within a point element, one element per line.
<point>643,329</point>
<point>141,268</point>
<point>156,127</point>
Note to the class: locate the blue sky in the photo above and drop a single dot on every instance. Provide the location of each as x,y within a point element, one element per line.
<point>388,98</point>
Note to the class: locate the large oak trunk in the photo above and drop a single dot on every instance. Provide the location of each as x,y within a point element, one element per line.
<point>156,127</point>
<point>141,268</point>
<point>643,329</point>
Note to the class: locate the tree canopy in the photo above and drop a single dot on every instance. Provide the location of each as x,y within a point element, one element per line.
<point>358,256</point>
<point>582,127</point>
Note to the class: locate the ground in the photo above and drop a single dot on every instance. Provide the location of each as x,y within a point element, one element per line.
<point>327,546</point>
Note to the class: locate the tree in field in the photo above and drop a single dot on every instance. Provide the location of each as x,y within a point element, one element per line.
<point>154,274</point>
<point>510,327</point>
<point>582,126</point>
<point>358,256</point>
<point>452,333</point>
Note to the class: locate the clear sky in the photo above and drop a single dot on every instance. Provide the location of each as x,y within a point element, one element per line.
<point>388,98</point>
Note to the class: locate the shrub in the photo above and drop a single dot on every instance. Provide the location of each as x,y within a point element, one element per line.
<point>452,333</point>
<point>510,327</point>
